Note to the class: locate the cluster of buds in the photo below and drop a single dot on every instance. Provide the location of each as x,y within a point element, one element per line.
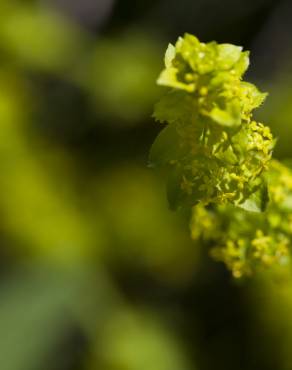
<point>212,148</point>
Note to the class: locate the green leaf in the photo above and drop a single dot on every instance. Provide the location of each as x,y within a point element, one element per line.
<point>258,201</point>
<point>175,106</point>
<point>165,147</point>
<point>252,97</point>
<point>227,155</point>
<point>228,117</point>
<point>169,55</point>
<point>243,63</point>
<point>228,55</point>
<point>168,77</point>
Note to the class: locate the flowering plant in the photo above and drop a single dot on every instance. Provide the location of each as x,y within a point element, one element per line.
<point>217,157</point>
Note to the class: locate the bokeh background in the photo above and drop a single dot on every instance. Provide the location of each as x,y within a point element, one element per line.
<point>95,271</point>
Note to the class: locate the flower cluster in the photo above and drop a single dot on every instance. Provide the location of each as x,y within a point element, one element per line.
<point>212,148</point>
<point>246,241</point>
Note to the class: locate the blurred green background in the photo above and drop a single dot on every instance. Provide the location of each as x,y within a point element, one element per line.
<point>95,271</point>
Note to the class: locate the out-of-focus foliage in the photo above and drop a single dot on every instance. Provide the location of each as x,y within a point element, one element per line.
<point>214,150</point>
<point>95,271</point>
<point>137,340</point>
<point>42,217</point>
<point>163,247</point>
<point>38,308</point>
<point>271,294</point>
<point>79,225</point>
<point>40,39</point>
<point>121,86</point>
<point>279,112</point>
<point>110,71</point>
